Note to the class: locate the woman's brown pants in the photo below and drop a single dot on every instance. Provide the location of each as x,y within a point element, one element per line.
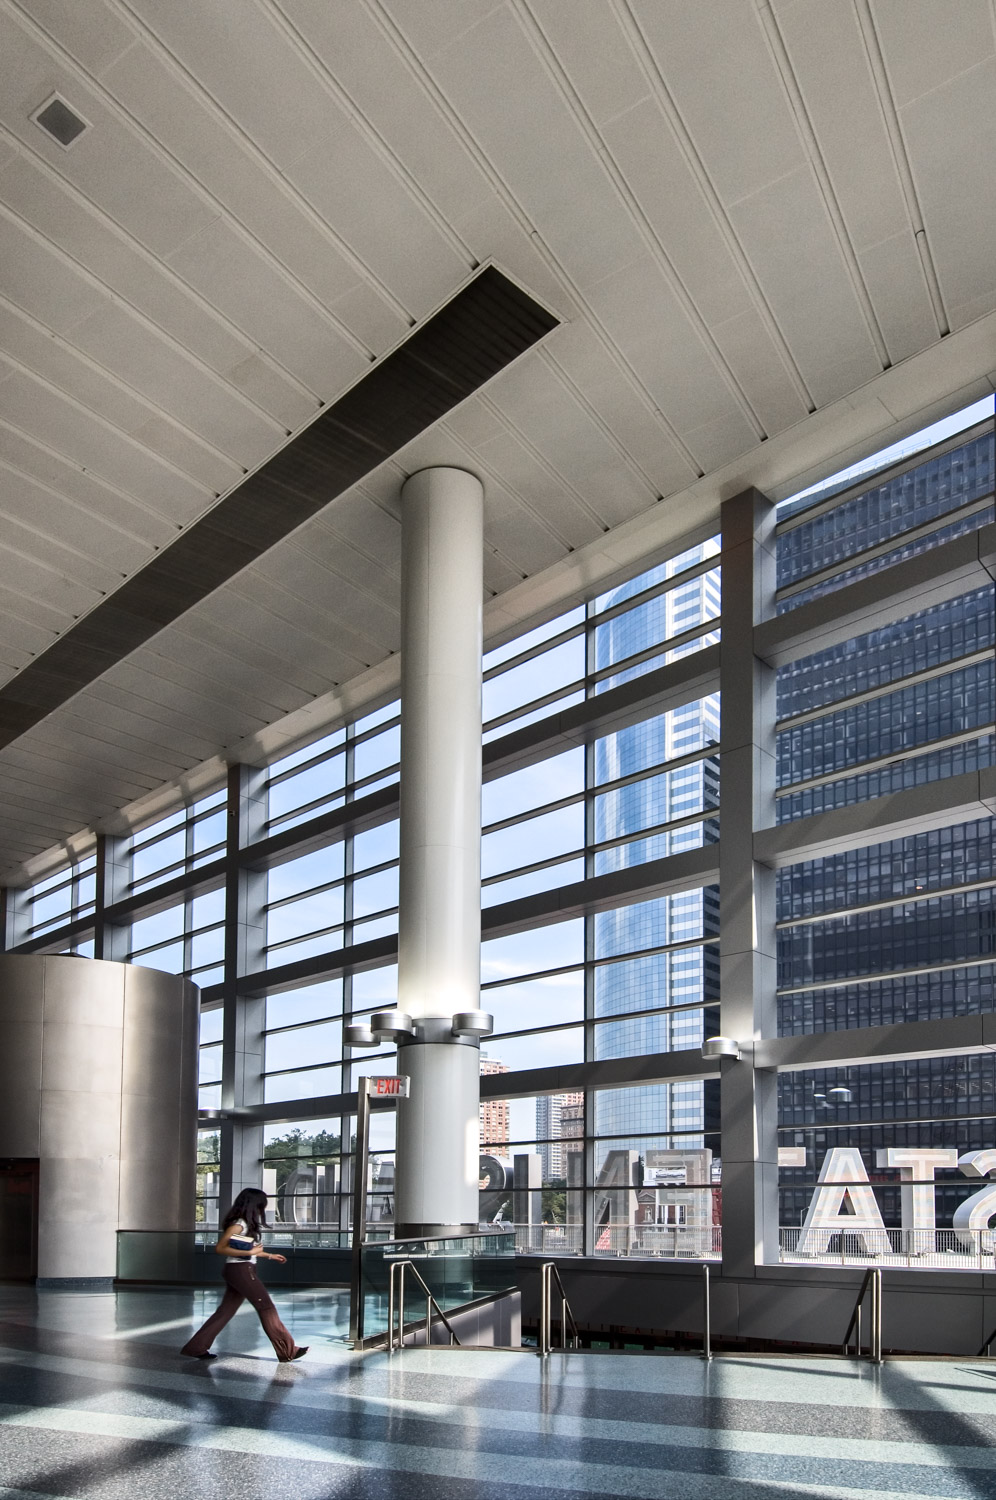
<point>241,1282</point>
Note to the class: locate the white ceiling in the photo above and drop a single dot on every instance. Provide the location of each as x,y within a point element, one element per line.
<point>743,212</point>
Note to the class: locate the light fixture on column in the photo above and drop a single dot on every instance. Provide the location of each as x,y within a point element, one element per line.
<point>473,1023</point>
<point>388,1024</point>
<point>359,1036</point>
<point>383,1026</point>
<point>721,1046</point>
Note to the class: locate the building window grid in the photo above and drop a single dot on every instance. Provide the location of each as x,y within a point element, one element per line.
<point>69,896</point>
<point>914,644</point>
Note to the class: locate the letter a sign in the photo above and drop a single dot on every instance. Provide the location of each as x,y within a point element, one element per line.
<point>843,1180</point>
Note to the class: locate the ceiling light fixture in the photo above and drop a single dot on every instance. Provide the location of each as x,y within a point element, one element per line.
<point>59,120</point>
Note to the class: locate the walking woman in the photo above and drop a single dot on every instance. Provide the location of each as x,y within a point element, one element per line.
<point>241,1245</point>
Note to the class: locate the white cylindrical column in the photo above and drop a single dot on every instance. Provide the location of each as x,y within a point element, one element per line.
<point>439,937</point>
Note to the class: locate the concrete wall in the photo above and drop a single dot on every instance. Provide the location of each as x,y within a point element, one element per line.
<point>98,1080</point>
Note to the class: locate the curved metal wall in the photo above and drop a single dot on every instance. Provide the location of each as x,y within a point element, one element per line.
<point>98,1080</point>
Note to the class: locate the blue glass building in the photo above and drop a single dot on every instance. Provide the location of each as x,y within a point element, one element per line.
<point>683,980</point>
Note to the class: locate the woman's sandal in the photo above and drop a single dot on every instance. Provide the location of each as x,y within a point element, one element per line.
<point>298,1354</point>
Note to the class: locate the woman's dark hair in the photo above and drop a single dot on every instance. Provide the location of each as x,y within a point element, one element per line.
<point>250,1207</point>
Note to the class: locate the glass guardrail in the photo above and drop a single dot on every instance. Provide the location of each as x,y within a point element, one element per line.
<point>315,1257</point>
<point>457,1269</point>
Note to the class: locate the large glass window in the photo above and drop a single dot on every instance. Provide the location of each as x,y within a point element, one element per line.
<point>603,957</point>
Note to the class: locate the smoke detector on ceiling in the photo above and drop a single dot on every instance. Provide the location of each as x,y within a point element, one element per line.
<point>59,120</point>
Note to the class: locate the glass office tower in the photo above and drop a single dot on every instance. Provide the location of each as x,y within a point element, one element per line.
<point>905,930</point>
<point>683,982</point>
<point>889,933</point>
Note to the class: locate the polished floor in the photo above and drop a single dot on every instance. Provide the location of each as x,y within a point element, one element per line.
<point>95,1401</point>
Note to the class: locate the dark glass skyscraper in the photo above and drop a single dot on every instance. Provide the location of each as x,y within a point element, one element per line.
<point>904,930</point>
<point>894,932</point>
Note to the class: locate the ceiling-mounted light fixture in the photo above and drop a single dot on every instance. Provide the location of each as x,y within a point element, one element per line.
<point>60,121</point>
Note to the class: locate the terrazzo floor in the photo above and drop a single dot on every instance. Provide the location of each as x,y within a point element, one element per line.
<point>95,1401</point>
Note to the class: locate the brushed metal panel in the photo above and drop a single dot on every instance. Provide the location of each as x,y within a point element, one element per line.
<point>21,988</point>
<point>158,1101</point>
<point>153,1031</point>
<point>20,1094</point>
<point>81,1059</point>
<point>75,1123</point>
<point>87,992</point>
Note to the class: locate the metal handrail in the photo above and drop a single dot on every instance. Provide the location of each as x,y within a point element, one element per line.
<point>985,1350</point>
<point>872,1282</point>
<point>400,1266</point>
<point>547,1272</point>
<point>706,1315</point>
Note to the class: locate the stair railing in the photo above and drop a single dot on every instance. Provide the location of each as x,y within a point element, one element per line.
<point>548,1271</point>
<point>396,1305</point>
<point>871,1286</point>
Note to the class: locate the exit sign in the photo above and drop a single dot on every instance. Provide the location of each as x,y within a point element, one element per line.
<point>390,1088</point>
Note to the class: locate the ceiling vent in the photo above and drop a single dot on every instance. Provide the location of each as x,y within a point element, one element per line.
<point>59,121</point>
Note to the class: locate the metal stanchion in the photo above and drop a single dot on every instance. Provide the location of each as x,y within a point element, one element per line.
<point>360,1159</point>
<point>706,1316</point>
<point>876,1314</point>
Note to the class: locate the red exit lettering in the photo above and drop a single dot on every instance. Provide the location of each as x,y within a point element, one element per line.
<point>389,1086</point>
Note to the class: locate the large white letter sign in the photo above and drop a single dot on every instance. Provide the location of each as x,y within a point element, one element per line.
<point>843,1179</point>
<point>917,1165</point>
<point>974,1214</point>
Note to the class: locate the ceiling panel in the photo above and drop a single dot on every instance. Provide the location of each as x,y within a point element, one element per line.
<point>786,233</point>
<point>323,545</point>
<point>25,502</point>
<point>34,276</point>
<point>523,123</point>
<point>98,263</point>
<point>720,201</point>
<point>63,758</point>
<point>191,124</point>
<point>115,708</point>
<point>835,78</point>
<point>229,427</point>
<point>928,42</point>
<point>132,515</point>
<point>728,95</point>
<point>641,313</point>
<point>51,418</point>
<point>224,268</point>
<point>592,48</point>
<point>435,25</point>
<point>541,408</point>
<point>188,692</point>
<point>751,353</point>
<point>320,633</point>
<point>658,172</point>
<point>223,671</point>
<point>111,163</point>
<point>952,133</point>
<point>95,34</point>
<point>357,520</point>
<point>235,49</point>
<point>391,103</point>
<point>893,274</point>
<point>588,364</point>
